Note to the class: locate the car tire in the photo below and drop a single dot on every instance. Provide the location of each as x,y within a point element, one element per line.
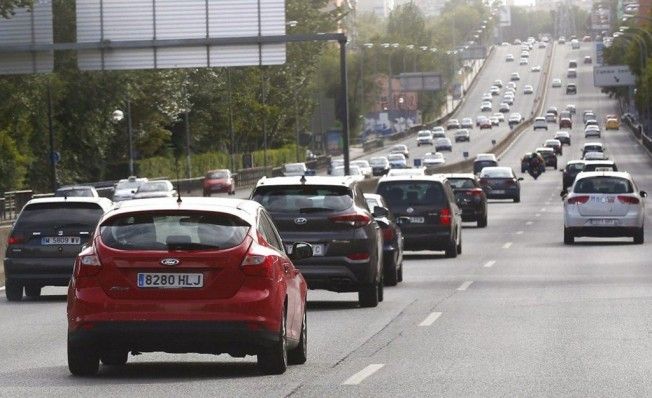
<point>399,274</point>
<point>569,238</point>
<point>115,358</point>
<point>274,360</point>
<point>517,199</point>
<point>459,247</point>
<point>13,290</point>
<point>83,360</point>
<point>482,222</point>
<point>368,296</point>
<point>639,236</point>
<point>299,354</point>
<point>207,193</point>
<point>33,291</point>
<point>391,270</point>
<point>381,289</point>
<point>451,249</point>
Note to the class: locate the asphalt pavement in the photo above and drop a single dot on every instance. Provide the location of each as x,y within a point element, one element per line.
<point>517,314</point>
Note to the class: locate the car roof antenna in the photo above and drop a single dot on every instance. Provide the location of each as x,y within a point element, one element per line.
<point>303,179</point>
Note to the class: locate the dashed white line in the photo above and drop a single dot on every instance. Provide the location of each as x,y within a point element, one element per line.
<point>465,286</point>
<point>529,223</point>
<point>543,209</point>
<point>489,264</point>
<point>2,288</point>
<point>507,245</point>
<point>430,319</point>
<point>537,215</point>
<point>363,374</point>
<point>519,232</point>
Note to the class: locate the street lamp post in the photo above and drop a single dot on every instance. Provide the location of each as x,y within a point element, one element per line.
<point>362,87</point>
<point>117,116</point>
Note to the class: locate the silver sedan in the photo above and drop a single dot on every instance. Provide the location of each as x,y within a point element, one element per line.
<point>604,204</point>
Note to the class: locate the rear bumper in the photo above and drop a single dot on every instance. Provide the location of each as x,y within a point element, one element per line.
<point>433,239</point>
<point>235,338</point>
<point>39,271</point>
<point>337,274</point>
<point>605,232</point>
<point>509,193</point>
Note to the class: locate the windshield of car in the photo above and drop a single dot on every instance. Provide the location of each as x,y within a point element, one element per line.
<point>600,167</point>
<point>378,161</point>
<point>217,174</point>
<point>462,183</point>
<point>593,148</point>
<point>339,171</point>
<point>304,198</point>
<point>360,163</point>
<point>423,134</point>
<point>575,167</point>
<point>154,186</point>
<point>412,193</point>
<point>295,167</point>
<point>177,230</point>
<point>38,216</point>
<point>496,173</point>
<point>124,185</point>
<point>74,192</point>
<point>396,157</point>
<point>604,185</point>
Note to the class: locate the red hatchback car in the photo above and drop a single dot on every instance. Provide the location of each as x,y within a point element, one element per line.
<point>195,275</point>
<point>219,181</point>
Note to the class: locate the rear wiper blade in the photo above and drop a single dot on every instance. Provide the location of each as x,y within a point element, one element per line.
<point>314,209</point>
<point>191,246</point>
<point>72,224</point>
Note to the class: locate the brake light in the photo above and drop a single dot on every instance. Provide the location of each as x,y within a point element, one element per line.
<point>361,256</point>
<point>628,199</point>
<point>15,240</point>
<point>88,263</point>
<point>255,264</point>
<point>445,216</point>
<point>355,220</point>
<point>388,234</point>
<point>578,199</point>
<point>511,182</point>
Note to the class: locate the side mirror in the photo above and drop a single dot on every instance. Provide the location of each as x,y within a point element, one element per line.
<point>380,211</point>
<point>562,170</point>
<point>133,191</point>
<point>643,194</point>
<point>520,178</point>
<point>563,193</point>
<point>300,251</point>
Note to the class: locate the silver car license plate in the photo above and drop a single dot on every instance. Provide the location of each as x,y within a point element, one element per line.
<point>60,240</point>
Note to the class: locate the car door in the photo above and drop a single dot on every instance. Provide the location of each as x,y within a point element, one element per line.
<point>455,209</point>
<point>290,275</point>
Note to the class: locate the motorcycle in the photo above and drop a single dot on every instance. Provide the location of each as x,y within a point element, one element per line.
<point>535,170</point>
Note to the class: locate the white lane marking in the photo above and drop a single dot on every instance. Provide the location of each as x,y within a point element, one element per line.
<point>543,209</point>
<point>519,232</point>
<point>430,319</point>
<point>489,264</point>
<point>529,223</point>
<point>465,286</point>
<point>537,215</point>
<point>363,374</point>
<point>507,245</point>
<point>2,288</point>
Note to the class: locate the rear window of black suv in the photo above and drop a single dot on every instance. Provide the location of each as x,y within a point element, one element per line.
<point>304,198</point>
<point>40,216</point>
<point>412,193</point>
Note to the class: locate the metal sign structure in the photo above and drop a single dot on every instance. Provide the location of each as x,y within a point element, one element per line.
<point>178,23</point>
<point>426,81</point>
<point>27,27</point>
<point>599,53</point>
<point>505,15</point>
<point>613,76</point>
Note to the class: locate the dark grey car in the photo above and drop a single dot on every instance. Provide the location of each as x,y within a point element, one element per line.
<point>426,205</point>
<point>45,240</point>
<point>331,214</point>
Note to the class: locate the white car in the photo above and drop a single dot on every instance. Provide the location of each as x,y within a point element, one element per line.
<point>593,147</point>
<point>486,107</point>
<point>509,58</point>
<point>353,171</point>
<point>498,83</point>
<point>364,167</point>
<point>591,155</point>
<point>494,90</point>
<point>540,123</point>
<point>467,123</point>
<point>437,129</point>
<point>528,89</point>
<point>424,137</point>
<point>126,189</point>
<point>487,97</point>
<point>443,144</point>
<point>592,131</point>
<point>407,172</point>
<point>515,76</point>
<point>294,169</point>
<point>604,204</point>
<point>535,68</point>
<point>433,160</point>
<point>523,61</point>
<point>400,148</point>
<point>556,83</point>
<point>499,116</point>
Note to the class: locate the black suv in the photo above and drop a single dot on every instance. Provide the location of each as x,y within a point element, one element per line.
<point>332,215</point>
<point>470,197</point>
<point>45,240</point>
<point>426,206</point>
<point>572,169</point>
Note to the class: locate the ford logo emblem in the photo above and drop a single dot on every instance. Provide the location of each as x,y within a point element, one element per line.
<point>170,262</point>
<point>300,221</point>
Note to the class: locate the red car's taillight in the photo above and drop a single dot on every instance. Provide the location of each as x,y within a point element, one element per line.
<point>87,263</point>
<point>477,192</point>
<point>15,239</point>
<point>445,216</point>
<point>630,200</point>
<point>355,220</point>
<point>257,264</point>
<point>578,199</point>
<point>388,234</point>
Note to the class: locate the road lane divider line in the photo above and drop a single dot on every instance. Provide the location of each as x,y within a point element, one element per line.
<point>430,319</point>
<point>507,245</point>
<point>543,209</point>
<point>537,215</point>
<point>489,264</point>
<point>519,232</point>
<point>464,286</point>
<point>2,288</point>
<point>529,223</point>
<point>363,374</point>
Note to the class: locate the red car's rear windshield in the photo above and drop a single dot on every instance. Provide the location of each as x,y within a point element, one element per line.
<point>174,231</point>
